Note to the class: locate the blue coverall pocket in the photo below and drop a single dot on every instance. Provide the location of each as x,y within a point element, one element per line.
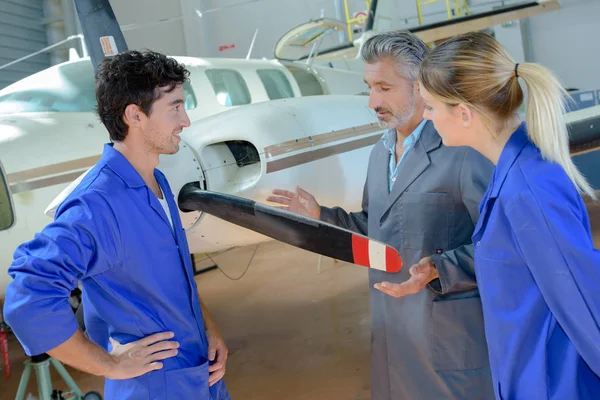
<point>188,383</point>
<point>139,388</point>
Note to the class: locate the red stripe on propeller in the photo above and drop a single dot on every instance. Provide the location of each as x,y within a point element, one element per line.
<point>360,251</point>
<point>393,261</point>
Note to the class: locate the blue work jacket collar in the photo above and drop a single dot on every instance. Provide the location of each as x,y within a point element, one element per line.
<point>509,155</point>
<point>121,166</point>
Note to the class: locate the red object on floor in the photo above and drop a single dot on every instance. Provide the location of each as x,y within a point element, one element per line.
<point>4,347</point>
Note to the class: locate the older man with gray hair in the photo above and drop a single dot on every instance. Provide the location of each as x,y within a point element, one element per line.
<point>422,198</point>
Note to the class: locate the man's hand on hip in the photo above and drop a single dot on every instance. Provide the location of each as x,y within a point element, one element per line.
<point>421,274</point>
<point>301,202</point>
<point>137,358</point>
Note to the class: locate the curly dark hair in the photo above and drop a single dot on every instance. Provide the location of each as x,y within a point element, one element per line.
<point>133,77</point>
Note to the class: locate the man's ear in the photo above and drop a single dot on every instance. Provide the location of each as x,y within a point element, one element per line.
<point>418,86</point>
<point>133,115</point>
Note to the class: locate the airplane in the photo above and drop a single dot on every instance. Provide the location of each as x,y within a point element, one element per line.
<point>320,142</point>
<point>50,136</point>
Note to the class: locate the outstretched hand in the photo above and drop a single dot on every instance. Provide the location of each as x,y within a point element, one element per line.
<point>421,274</point>
<point>301,202</point>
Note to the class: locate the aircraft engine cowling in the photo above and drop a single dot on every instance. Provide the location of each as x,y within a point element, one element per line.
<point>321,143</point>
<point>229,166</point>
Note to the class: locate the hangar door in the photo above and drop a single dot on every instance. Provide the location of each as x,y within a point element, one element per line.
<point>22,32</point>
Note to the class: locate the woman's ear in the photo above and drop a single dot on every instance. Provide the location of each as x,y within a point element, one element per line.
<point>465,113</point>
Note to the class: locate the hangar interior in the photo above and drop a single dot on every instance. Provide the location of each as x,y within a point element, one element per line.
<point>296,323</point>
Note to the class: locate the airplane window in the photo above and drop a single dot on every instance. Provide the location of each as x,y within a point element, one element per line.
<point>190,97</point>
<point>276,84</point>
<point>229,86</point>
<point>309,84</point>
<point>7,217</point>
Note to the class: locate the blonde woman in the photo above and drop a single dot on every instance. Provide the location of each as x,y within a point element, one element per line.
<point>536,266</point>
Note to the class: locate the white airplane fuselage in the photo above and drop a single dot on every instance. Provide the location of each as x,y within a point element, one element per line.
<point>319,142</point>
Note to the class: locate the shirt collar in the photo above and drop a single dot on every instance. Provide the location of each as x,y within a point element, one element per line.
<point>517,141</point>
<point>389,138</point>
<point>121,166</point>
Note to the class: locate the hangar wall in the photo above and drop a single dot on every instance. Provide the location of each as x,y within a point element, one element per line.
<point>562,40</point>
<point>567,42</point>
<point>229,25</point>
<point>155,24</point>
<point>22,32</point>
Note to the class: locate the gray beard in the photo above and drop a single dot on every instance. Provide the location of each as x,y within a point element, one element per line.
<point>396,120</point>
<point>400,118</point>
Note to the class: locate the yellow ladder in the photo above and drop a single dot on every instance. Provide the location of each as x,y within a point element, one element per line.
<point>460,8</point>
<point>359,20</point>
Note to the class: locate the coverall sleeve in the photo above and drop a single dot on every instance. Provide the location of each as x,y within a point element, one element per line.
<point>556,244</point>
<point>354,221</point>
<point>456,267</point>
<point>80,242</point>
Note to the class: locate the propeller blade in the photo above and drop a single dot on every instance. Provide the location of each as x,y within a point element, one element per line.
<point>101,32</point>
<point>299,231</point>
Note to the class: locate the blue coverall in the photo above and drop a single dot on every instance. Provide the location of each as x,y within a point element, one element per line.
<point>539,278</point>
<point>113,235</point>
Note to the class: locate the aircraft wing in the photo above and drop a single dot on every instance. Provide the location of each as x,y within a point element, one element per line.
<point>50,211</point>
<point>474,22</point>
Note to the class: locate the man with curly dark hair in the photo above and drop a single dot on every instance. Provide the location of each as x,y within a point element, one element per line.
<point>119,233</point>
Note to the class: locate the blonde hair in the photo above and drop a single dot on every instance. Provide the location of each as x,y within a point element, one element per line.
<point>474,69</point>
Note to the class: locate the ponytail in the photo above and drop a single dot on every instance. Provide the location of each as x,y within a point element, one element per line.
<point>545,119</point>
